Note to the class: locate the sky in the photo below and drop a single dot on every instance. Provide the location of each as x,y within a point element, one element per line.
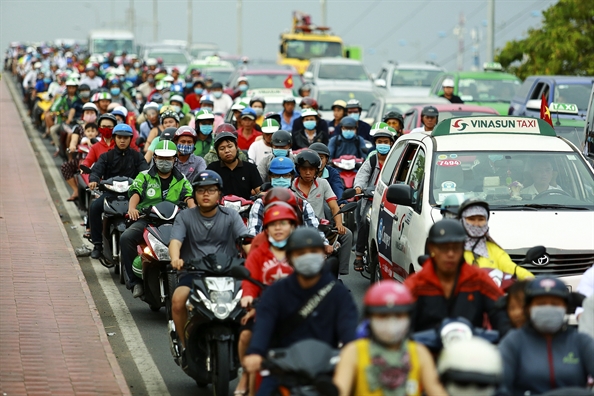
<point>398,30</point>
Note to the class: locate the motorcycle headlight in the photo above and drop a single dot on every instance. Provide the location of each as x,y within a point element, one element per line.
<point>220,300</point>
<point>119,187</point>
<point>161,251</point>
<point>453,332</point>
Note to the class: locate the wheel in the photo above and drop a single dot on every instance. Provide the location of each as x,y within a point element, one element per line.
<point>120,268</point>
<point>116,269</point>
<point>374,270</point>
<point>154,308</point>
<point>220,362</point>
<point>171,285</point>
<point>350,221</point>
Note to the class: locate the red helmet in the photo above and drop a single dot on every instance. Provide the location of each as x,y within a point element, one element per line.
<point>388,296</point>
<point>279,211</point>
<point>226,128</point>
<point>279,194</point>
<point>310,102</point>
<point>185,131</point>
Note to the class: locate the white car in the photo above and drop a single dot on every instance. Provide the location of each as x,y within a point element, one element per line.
<point>503,160</point>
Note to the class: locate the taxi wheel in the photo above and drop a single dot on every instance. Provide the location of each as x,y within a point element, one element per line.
<point>374,269</point>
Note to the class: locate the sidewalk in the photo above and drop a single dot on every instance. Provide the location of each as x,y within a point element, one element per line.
<point>52,340</point>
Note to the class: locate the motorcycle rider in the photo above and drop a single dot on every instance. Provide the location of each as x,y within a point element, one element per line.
<point>394,120</point>
<point>177,102</point>
<point>338,112</point>
<point>346,141</point>
<point>309,132</point>
<point>448,91</point>
<point>121,161</point>
<point>263,147</point>
<point>321,125</point>
<point>353,110</point>
<point>205,120</point>
<point>318,193</point>
<point>480,249</point>
<point>247,134</point>
<point>281,147</point>
<point>186,162</point>
<point>118,96</point>
<point>91,78</point>
<point>448,287</point>
<point>208,228</point>
<point>387,362</point>
<point>328,172</point>
<point>169,119</point>
<point>106,124</point>
<point>161,182</point>
<point>193,98</point>
<point>331,315</point>
<point>241,178</point>
<point>288,114</point>
<point>258,104</point>
<point>429,118</point>
<point>546,353</point>
<point>70,168</point>
<point>167,134</point>
<point>221,101</point>
<point>367,176</point>
<point>151,115</point>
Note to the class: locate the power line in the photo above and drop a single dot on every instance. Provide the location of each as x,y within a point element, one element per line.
<point>400,24</point>
<point>359,18</point>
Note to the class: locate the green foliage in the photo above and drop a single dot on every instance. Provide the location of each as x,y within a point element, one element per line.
<point>564,44</point>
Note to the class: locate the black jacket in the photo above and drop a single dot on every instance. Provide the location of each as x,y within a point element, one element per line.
<point>118,162</point>
<point>454,99</point>
<point>300,141</point>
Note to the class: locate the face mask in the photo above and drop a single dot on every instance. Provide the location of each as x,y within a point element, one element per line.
<point>309,125</point>
<point>495,157</point>
<point>106,132</point>
<point>281,182</point>
<point>205,129</point>
<point>185,149</point>
<point>177,109</point>
<point>390,330</point>
<point>84,94</point>
<point>47,80</point>
<point>383,149</point>
<point>280,152</point>
<point>89,118</point>
<point>547,319</point>
<point>348,134</point>
<point>206,108</point>
<point>217,94</point>
<point>164,166</point>
<point>243,87</point>
<point>278,244</point>
<point>476,231</point>
<point>151,80</point>
<point>198,91</point>
<point>115,91</point>
<point>355,116</point>
<point>259,111</point>
<point>471,390</point>
<point>309,265</point>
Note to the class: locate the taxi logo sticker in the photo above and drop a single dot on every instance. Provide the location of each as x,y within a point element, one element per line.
<point>495,124</point>
<point>453,156</point>
<point>449,163</point>
<point>448,186</point>
<point>460,125</point>
<point>442,157</point>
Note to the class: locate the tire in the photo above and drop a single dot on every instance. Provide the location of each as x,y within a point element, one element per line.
<point>220,362</point>
<point>374,270</point>
<point>120,269</point>
<point>350,222</point>
<point>171,285</point>
<point>154,308</point>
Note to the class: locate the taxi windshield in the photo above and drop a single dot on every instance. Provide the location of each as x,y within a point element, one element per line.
<point>574,93</point>
<point>510,180</point>
<point>475,90</point>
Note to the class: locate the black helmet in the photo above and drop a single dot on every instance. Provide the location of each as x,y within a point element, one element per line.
<point>221,137</point>
<point>107,116</point>
<point>546,286</point>
<point>157,98</point>
<point>168,134</point>
<point>257,99</point>
<point>430,111</point>
<point>320,148</point>
<point>446,231</point>
<point>304,237</point>
<point>393,115</point>
<point>473,202</point>
<point>281,138</point>
<point>274,116</point>
<point>207,178</point>
<point>310,157</point>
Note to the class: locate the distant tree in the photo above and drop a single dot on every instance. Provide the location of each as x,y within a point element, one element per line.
<point>563,45</point>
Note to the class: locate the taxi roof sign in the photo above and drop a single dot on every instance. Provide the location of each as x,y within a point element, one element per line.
<point>269,92</point>
<point>492,66</point>
<point>493,124</point>
<point>564,108</point>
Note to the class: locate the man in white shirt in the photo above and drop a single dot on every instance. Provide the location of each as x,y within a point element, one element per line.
<point>31,76</point>
<point>542,173</point>
<point>263,147</point>
<point>429,117</point>
<point>91,78</point>
<point>221,101</point>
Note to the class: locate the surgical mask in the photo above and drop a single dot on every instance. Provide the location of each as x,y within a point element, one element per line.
<point>383,148</point>
<point>164,166</point>
<point>89,118</point>
<point>280,152</point>
<point>390,330</point>
<point>278,244</point>
<point>309,125</point>
<point>177,109</point>
<point>206,108</point>
<point>469,390</point>
<point>281,182</point>
<point>309,265</point>
<point>205,129</point>
<point>150,80</point>
<point>259,111</point>
<point>217,94</point>
<point>198,91</point>
<point>348,134</point>
<point>243,87</point>
<point>547,319</point>
<point>495,157</point>
<point>355,116</point>
<point>185,149</point>
<point>115,91</point>
<point>106,132</point>
<point>84,94</point>
<point>47,80</point>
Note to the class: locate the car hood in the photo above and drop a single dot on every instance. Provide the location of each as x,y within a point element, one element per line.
<point>409,91</point>
<point>345,84</point>
<point>501,107</point>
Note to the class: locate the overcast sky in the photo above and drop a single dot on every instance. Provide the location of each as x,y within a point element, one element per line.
<point>400,30</point>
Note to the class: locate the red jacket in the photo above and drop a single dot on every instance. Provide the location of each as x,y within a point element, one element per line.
<point>242,142</point>
<point>264,267</point>
<point>96,150</point>
<point>474,296</point>
<point>193,101</point>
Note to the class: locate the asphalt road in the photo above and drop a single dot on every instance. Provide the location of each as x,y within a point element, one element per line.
<point>144,353</point>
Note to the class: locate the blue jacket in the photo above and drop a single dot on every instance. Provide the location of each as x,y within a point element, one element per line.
<point>333,321</point>
<point>340,146</point>
<point>335,183</point>
<point>529,360</point>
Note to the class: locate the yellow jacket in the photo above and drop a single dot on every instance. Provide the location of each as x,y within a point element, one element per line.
<point>499,259</point>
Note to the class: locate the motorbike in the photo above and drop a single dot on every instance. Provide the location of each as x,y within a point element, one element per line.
<point>212,328</point>
<point>239,204</point>
<point>367,194</point>
<point>347,166</point>
<point>115,210</point>
<point>331,232</point>
<point>153,257</point>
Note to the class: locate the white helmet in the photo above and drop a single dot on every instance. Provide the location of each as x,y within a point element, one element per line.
<point>466,366</point>
<point>448,82</point>
<point>90,106</point>
<point>149,106</point>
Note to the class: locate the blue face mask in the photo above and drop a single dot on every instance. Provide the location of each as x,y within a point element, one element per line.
<point>217,94</point>
<point>115,91</point>
<point>243,87</point>
<point>281,182</point>
<point>280,152</point>
<point>278,244</point>
<point>309,125</point>
<point>348,134</point>
<point>205,129</point>
<point>495,157</point>
<point>47,80</point>
<point>355,116</point>
<point>198,91</point>
<point>383,148</point>
<point>185,149</point>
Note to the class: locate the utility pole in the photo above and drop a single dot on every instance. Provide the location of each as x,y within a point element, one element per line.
<point>491,31</point>
<point>239,29</point>
<point>475,37</point>
<point>155,20</point>
<point>324,12</point>
<point>459,32</point>
<point>190,25</point>
<point>132,18</point>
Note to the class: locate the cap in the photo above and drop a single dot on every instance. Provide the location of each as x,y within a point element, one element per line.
<point>248,112</point>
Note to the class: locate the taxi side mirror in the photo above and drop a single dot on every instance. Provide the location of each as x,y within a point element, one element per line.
<point>400,194</point>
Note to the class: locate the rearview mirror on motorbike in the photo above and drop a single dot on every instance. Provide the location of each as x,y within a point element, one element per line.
<point>348,193</point>
<point>85,169</point>
<point>534,253</point>
<point>240,272</point>
<point>266,186</point>
<point>421,259</point>
<point>347,208</point>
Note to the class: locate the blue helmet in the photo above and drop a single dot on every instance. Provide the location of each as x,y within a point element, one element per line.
<point>123,130</point>
<point>348,122</point>
<point>281,166</point>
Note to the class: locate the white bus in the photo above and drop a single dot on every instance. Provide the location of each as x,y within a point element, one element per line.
<point>116,41</point>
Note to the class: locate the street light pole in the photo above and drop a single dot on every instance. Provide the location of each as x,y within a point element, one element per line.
<point>491,31</point>
<point>190,32</point>
<point>239,28</point>
<point>155,20</point>
<point>324,12</point>
<point>132,18</point>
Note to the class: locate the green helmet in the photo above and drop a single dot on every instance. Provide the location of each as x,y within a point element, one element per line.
<point>205,115</point>
<point>166,148</point>
<point>270,125</point>
<point>381,129</point>
<point>450,205</point>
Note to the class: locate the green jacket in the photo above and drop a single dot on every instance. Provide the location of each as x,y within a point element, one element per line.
<point>212,156</point>
<point>202,147</point>
<point>148,185</point>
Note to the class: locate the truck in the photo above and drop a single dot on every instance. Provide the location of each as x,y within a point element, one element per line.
<point>116,41</point>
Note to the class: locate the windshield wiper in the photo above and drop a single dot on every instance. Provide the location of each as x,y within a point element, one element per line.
<point>541,206</point>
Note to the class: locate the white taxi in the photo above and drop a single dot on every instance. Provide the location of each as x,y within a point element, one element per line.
<point>539,187</point>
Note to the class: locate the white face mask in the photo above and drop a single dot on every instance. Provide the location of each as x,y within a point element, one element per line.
<point>390,330</point>
<point>471,390</point>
